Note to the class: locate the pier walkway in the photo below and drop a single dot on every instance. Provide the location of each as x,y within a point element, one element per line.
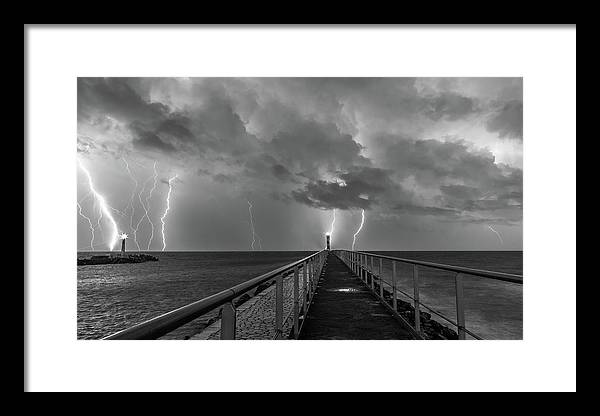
<point>345,308</point>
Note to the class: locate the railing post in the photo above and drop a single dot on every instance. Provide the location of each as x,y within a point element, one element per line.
<point>279,305</point>
<point>361,270</point>
<point>309,272</point>
<point>394,291</point>
<point>296,301</point>
<point>311,280</point>
<point>316,268</point>
<point>364,268</point>
<point>372,269</point>
<point>304,286</point>
<point>416,296</point>
<point>228,321</point>
<point>381,279</point>
<point>460,306</point>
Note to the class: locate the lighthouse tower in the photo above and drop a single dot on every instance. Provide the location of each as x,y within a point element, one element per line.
<point>328,242</point>
<point>123,238</point>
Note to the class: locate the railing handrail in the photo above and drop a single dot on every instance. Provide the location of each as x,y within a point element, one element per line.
<point>505,277</point>
<point>167,322</point>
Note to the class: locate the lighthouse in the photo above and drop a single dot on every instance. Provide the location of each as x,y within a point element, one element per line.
<point>328,242</point>
<point>123,238</point>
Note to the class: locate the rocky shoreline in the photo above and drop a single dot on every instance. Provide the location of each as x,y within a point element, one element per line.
<point>204,323</point>
<point>430,328</point>
<point>115,259</point>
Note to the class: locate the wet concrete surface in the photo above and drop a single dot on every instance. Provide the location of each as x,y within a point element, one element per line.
<point>343,308</point>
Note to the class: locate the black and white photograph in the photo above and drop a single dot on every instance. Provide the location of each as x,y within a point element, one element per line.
<point>209,215</point>
<point>310,208</point>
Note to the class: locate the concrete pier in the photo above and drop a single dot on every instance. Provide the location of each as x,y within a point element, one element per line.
<point>344,308</point>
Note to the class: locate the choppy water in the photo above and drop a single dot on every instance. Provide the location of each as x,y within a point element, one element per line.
<point>114,297</point>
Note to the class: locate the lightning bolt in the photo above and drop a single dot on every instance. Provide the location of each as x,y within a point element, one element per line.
<point>89,221</point>
<point>105,209</point>
<point>330,232</point>
<point>162,219</point>
<point>362,221</point>
<point>145,207</point>
<point>497,233</point>
<point>118,212</point>
<point>254,234</point>
<point>148,197</point>
<point>137,226</point>
<point>131,204</point>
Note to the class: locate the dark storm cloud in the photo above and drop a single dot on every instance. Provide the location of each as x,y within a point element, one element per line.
<point>307,145</point>
<point>281,172</point>
<point>449,105</point>
<point>389,98</point>
<point>115,97</point>
<point>263,166</point>
<point>432,161</point>
<point>460,191</point>
<point>467,179</point>
<point>427,210</point>
<point>357,188</point>
<point>217,126</point>
<point>471,199</point>
<point>223,178</point>
<point>176,126</point>
<point>508,121</point>
<point>211,125</point>
<point>144,139</point>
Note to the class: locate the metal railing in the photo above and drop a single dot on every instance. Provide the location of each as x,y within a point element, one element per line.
<point>358,262</point>
<point>311,267</point>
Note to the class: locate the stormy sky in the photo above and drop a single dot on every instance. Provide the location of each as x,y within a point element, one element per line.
<point>436,163</point>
